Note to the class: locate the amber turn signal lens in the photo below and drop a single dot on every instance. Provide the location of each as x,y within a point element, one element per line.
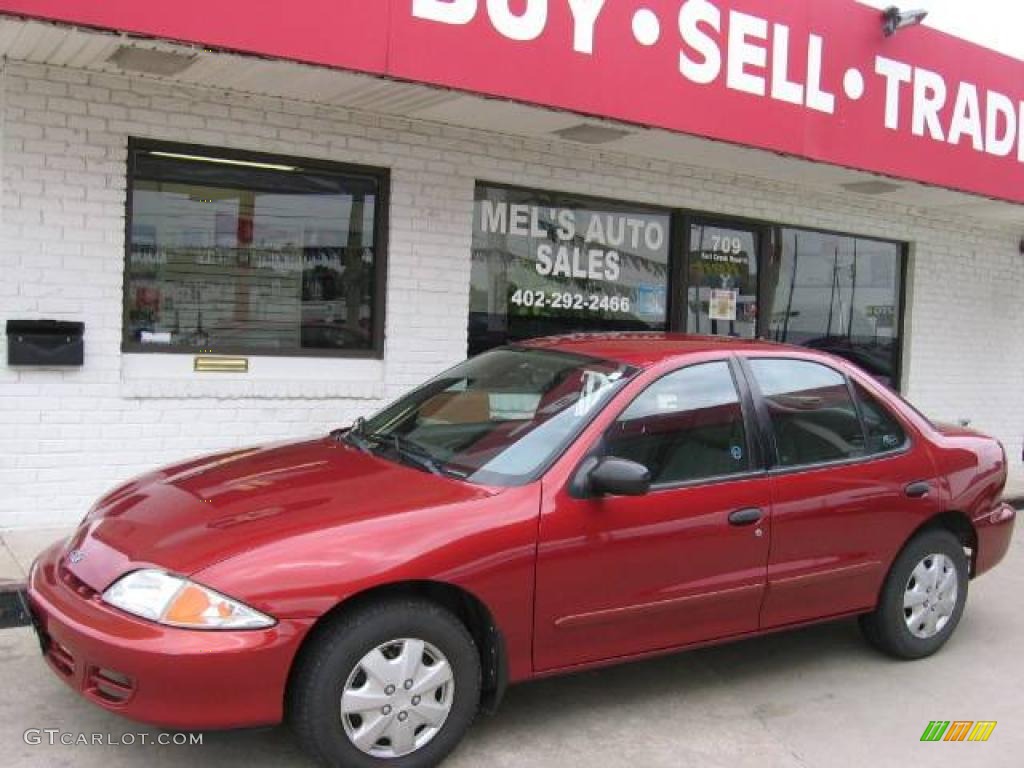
<point>188,607</point>
<point>173,600</point>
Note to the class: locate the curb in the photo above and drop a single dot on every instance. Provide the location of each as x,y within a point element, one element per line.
<point>12,605</point>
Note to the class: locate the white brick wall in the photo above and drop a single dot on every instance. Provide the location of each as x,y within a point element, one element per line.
<point>66,436</point>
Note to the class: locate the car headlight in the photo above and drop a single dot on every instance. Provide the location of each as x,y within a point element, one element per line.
<point>178,602</point>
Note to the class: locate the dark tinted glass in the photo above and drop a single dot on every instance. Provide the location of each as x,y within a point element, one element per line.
<point>838,294</point>
<point>884,432</point>
<point>813,417</point>
<point>547,263</point>
<point>261,257</point>
<point>686,426</point>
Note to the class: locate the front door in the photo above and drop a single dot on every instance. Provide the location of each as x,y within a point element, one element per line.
<point>721,292</point>
<point>618,576</point>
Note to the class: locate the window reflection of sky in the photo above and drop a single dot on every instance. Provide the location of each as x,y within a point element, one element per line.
<point>691,389</point>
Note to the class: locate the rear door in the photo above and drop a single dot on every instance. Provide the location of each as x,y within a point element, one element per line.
<point>841,467</point>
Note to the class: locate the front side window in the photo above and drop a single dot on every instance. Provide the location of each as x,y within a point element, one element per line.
<point>686,426</point>
<point>249,254</point>
<point>813,418</point>
<point>498,418</point>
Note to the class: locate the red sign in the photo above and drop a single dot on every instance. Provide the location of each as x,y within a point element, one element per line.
<point>811,78</point>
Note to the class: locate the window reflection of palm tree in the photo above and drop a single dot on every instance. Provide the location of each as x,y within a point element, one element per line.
<point>792,289</point>
<point>832,296</point>
<point>837,287</point>
<point>853,291</point>
<point>696,304</point>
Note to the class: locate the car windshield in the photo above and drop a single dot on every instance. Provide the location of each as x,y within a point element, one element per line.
<point>496,419</point>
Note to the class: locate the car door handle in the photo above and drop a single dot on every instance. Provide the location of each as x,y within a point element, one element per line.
<point>918,490</point>
<point>745,516</point>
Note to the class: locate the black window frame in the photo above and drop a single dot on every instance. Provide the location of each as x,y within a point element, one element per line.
<point>766,431</point>
<point>381,221</point>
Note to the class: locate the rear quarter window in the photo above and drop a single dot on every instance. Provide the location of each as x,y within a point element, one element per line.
<point>883,431</point>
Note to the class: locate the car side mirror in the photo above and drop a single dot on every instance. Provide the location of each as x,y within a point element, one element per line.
<point>612,476</point>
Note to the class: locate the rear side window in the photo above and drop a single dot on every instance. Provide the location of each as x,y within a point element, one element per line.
<point>686,426</point>
<point>813,417</point>
<point>883,431</point>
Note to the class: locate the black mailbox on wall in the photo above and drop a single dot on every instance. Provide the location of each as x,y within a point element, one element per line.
<point>45,343</point>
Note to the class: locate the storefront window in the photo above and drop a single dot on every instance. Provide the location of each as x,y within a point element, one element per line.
<point>838,294</point>
<point>546,263</point>
<point>246,254</point>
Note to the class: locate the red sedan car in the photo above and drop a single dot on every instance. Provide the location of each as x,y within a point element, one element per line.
<point>539,509</point>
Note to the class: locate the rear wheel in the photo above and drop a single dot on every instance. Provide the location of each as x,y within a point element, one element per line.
<point>392,684</point>
<point>923,597</point>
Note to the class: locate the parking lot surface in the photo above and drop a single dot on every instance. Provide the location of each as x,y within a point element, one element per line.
<point>813,697</point>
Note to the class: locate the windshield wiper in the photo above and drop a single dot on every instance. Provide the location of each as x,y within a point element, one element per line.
<point>411,451</point>
<point>405,448</point>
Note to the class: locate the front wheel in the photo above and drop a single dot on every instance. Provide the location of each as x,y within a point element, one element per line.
<point>923,597</point>
<point>395,684</point>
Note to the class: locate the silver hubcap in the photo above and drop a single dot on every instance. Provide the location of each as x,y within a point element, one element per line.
<point>930,596</point>
<point>397,698</point>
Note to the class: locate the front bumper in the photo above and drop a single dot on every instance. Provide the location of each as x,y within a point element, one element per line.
<point>995,530</point>
<point>165,676</point>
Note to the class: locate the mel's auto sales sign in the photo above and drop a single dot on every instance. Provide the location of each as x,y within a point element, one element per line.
<point>812,78</point>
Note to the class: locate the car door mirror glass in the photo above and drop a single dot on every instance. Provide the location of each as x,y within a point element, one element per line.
<point>613,476</point>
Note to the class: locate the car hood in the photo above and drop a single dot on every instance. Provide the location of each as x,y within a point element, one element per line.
<point>189,516</point>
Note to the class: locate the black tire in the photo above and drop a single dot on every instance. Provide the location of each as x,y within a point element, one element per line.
<point>886,628</point>
<point>332,654</point>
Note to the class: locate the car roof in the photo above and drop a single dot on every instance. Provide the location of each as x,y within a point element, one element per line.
<point>644,349</point>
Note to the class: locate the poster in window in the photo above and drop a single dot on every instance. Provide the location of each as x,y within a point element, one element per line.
<point>722,305</point>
